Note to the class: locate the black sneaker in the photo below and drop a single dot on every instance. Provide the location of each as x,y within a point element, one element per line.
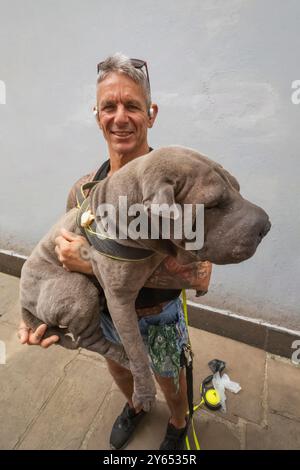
<point>124,427</point>
<point>174,438</point>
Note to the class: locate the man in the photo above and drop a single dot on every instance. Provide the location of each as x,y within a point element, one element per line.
<point>124,113</point>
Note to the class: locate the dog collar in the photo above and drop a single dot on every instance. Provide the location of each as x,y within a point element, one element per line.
<point>103,244</point>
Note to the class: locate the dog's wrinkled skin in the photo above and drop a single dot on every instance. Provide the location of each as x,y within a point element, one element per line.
<point>233,229</point>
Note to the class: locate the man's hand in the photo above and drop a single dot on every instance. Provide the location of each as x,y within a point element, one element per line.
<point>26,335</point>
<point>70,249</point>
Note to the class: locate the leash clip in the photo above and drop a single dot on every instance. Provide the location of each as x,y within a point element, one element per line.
<point>188,354</point>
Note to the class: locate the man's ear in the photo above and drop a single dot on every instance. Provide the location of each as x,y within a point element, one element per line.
<point>152,115</point>
<point>96,114</point>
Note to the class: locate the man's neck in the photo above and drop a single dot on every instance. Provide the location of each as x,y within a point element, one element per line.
<point>117,160</point>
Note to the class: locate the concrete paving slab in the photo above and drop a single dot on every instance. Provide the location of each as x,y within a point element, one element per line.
<point>27,381</point>
<point>283,384</point>
<point>280,434</point>
<point>148,435</point>
<point>9,295</point>
<point>98,436</point>
<point>244,364</point>
<point>214,435</point>
<point>56,398</point>
<point>13,315</point>
<point>151,433</point>
<point>65,420</point>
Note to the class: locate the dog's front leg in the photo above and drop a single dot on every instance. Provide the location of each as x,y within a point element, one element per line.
<point>125,320</point>
<point>121,282</point>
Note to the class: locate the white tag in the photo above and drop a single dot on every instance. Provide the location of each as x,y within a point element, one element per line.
<point>86,219</point>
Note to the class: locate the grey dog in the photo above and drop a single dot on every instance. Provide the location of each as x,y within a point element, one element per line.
<point>69,302</point>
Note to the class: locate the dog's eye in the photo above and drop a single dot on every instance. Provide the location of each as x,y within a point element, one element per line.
<point>220,202</point>
<point>223,201</point>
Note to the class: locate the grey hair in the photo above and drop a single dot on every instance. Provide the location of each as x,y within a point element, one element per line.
<point>120,63</point>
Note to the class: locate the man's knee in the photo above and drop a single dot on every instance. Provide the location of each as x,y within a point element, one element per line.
<point>169,387</point>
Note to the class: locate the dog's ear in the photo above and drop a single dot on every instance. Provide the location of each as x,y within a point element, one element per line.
<point>228,176</point>
<point>169,222</point>
<point>159,199</point>
<point>233,181</point>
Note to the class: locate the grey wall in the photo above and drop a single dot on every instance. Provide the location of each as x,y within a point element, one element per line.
<point>221,72</point>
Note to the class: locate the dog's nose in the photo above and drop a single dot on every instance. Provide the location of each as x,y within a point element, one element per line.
<point>268,227</point>
<point>265,229</point>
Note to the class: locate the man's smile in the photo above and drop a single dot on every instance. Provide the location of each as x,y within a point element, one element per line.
<point>122,134</point>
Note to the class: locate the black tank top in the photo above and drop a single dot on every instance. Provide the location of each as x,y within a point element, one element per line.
<point>147,297</point>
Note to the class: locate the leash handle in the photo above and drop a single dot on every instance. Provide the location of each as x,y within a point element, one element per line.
<point>188,360</point>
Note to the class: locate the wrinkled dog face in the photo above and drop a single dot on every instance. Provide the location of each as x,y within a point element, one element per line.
<point>233,226</point>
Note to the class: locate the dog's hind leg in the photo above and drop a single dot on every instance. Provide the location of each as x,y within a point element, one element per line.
<point>93,339</point>
<point>33,323</point>
<point>71,300</point>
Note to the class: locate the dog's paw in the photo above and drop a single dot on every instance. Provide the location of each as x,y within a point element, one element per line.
<point>145,403</point>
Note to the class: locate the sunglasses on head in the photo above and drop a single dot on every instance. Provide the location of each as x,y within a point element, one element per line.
<point>137,63</point>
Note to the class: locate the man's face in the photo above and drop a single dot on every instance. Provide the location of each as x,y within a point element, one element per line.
<point>123,115</point>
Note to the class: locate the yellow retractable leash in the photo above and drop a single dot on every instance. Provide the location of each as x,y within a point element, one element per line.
<point>209,395</point>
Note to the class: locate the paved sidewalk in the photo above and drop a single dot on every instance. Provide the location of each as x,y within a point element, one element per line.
<point>60,399</point>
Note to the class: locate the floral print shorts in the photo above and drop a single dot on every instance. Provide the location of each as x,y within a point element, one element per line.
<point>164,335</point>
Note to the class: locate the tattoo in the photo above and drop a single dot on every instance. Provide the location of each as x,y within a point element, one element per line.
<point>170,274</point>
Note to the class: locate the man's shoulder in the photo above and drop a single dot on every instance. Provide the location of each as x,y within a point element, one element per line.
<point>71,201</point>
<point>99,174</point>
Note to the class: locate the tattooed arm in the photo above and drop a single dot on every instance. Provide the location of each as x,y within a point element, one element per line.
<point>170,274</point>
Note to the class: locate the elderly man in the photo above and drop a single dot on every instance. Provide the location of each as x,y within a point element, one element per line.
<point>124,113</point>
